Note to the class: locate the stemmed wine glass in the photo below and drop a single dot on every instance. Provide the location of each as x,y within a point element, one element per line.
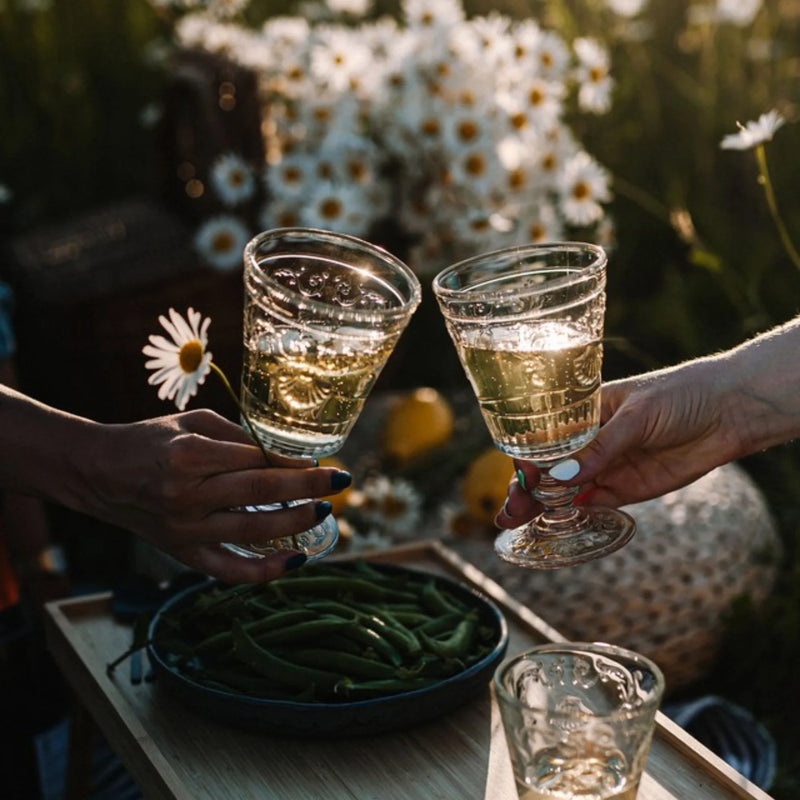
<point>322,313</point>
<point>527,323</point>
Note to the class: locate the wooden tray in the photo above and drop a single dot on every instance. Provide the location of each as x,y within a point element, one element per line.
<point>174,753</point>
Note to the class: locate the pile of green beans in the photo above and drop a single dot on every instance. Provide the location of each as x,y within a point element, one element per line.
<point>325,633</point>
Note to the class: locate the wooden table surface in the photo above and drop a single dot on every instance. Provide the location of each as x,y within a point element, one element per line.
<point>173,752</point>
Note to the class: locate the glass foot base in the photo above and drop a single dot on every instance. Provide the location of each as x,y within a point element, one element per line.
<point>316,542</point>
<point>607,531</point>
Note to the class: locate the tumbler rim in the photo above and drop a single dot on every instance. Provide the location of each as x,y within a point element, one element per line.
<point>342,313</point>
<point>596,266</point>
<point>648,705</point>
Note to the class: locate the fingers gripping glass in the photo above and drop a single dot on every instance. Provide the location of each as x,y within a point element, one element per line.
<point>527,323</point>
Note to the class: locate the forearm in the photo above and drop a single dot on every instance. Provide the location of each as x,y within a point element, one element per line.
<point>43,450</point>
<point>764,387</point>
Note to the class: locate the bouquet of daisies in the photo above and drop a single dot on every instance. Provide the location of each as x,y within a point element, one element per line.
<point>451,130</point>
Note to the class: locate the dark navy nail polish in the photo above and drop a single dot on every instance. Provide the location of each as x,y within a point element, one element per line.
<point>341,480</point>
<point>323,509</point>
<point>295,561</point>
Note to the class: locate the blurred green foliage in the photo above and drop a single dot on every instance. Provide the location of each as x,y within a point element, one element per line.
<point>697,266</point>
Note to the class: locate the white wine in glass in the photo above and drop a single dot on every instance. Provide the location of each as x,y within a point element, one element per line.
<point>527,323</point>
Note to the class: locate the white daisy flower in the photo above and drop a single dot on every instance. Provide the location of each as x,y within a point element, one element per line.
<point>182,362</point>
<point>430,15</point>
<point>232,179</point>
<point>754,132</point>
<point>551,56</point>
<point>337,208</point>
<point>583,186</point>
<point>339,58</point>
<point>279,214</point>
<point>391,505</point>
<point>627,8</point>
<point>226,8</point>
<point>592,75</point>
<point>738,12</point>
<point>492,43</point>
<point>290,177</point>
<point>356,8</point>
<point>539,223</point>
<point>221,241</point>
<point>534,101</point>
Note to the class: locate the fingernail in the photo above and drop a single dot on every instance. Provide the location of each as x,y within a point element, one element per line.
<point>295,561</point>
<point>315,462</point>
<point>322,509</point>
<point>521,479</point>
<point>565,470</point>
<point>341,480</point>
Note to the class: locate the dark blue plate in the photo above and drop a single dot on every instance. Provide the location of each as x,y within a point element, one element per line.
<point>357,718</point>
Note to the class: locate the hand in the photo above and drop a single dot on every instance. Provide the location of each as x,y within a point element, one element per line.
<point>659,431</point>
<point>175,481</point>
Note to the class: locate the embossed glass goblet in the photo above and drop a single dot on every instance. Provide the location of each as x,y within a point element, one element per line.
<point>527,323</point>
<point>579,719</point>
<point>322,313</point>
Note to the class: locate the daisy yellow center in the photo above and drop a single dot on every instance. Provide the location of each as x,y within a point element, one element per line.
<point>222,242</point>
<point>597,74</point>
<point>580,191</point>
<point>519,120</point>
<point>430,127</point>
<point>475,164</point>
<point>535,97</point>
<point>467,131</point>
<point>190,356</point>
<point>331,209</point>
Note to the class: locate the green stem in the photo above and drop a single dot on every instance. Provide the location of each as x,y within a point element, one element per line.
<point>772,203</point>
<point>224,378</point>
<point>227,384</point>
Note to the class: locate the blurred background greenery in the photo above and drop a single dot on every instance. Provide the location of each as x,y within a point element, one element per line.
<point>697,265</point>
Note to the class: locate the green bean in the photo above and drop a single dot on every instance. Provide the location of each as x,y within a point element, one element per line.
<point>435,601</point>
<point>454,646</point>
<point>442,624</point>
<point>304,630</point>
<point>338,587</point>
<point>352,666</point>
<point>254,627</point>
<point>393,630</point>
<point>372,639</point>
<point>285,674</point>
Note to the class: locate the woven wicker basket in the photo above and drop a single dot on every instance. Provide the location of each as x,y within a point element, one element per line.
<point>665,593</point>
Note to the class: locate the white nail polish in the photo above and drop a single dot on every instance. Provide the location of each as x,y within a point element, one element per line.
<point>565,470</point>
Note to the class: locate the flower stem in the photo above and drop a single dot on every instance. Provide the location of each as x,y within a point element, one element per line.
<point>224,378</point>
<point>772,203</point>
<point>227,384</point>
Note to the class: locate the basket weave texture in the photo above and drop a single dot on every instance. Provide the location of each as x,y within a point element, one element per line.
<point>665,593</point>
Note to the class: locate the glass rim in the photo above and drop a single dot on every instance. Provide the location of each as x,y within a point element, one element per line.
<point>607,649</point>
<point>342,313</point>
<point>598,264</point>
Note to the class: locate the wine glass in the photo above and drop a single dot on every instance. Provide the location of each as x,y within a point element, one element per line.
<point>527,323</point>
<point>322,313</point>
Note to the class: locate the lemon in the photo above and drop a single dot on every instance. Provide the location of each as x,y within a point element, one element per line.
<point>340,500</point>
<point>417,423</point>
<point>485,484</point>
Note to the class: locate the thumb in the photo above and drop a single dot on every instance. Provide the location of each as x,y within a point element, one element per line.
<point>613,439</point>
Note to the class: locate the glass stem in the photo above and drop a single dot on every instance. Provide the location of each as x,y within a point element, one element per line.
<point>251,429</point>
<point>560,516</point>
